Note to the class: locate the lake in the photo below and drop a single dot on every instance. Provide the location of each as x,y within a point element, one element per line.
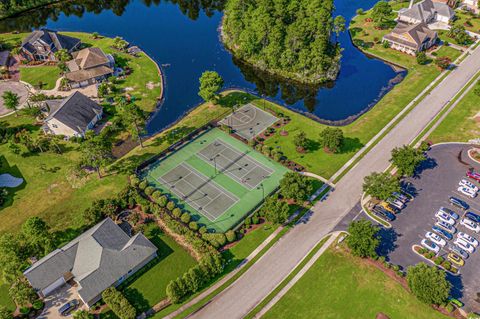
<point>183,38</point>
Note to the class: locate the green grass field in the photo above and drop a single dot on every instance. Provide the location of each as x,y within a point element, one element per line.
<point>470,22</point>
<point>48,75</point>
<point>248,199</point>
<point>5,299</point>
<point>342,286</point>
<point>447,51</point>
<point>460,124</point>
<point>149,288</point>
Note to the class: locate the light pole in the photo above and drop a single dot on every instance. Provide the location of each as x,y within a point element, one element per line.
<point>263,190</point>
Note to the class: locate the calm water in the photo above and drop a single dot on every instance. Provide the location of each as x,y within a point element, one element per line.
<point>185,37</point>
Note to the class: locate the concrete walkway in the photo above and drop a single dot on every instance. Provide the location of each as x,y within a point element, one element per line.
<point>278,262</point>
<point>90,91</point>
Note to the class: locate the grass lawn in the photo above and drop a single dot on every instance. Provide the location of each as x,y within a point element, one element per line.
<point>460,125</point>
<point>342,286</point>
<point>149,288</point>
<point>48,75</point>
<point>5,299</point>
<point>471,22</point>
<point>448,51</point>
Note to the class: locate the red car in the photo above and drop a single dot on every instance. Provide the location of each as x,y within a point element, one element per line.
<point>473,175</point>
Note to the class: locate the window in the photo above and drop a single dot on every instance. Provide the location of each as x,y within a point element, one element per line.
<point>54,126</point>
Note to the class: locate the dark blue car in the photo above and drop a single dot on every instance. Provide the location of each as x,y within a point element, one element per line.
<point>459,203</point>
<point>442,232</point>
<point>67,308</point>
<point>473,216</point>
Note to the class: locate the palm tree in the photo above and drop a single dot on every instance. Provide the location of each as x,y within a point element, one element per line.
<point>11,101</point>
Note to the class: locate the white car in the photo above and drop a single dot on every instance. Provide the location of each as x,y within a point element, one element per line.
<point>470,224</point>
<point>436,239</point>
<point>444,217</point>
<point>468,184</point>
<point>469,239</point>
<point>467,191</point>
<point>430,245</point>
<point>464,245</point>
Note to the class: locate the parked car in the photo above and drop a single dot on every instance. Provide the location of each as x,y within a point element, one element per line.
<point>449,212</point>
<point>473,216</point>
<point>67,308</point>
<point>467,191</point>
<point>430,245</point>
<point>402,197</point>
<point>384,214</point>
<point>442,232</point>
<point>455,259</point>
<point>390,208</point>
<point>470,224</point>
<point>396,203</point>
<point>468,184</point>
<point>436,239</point>
<point>459,203</point>
<point>459,251</point>
<point>445,218</point>
<point>445,226</point>
<point>464,245</point>
<point>469,239</point>
<point>473,175</point>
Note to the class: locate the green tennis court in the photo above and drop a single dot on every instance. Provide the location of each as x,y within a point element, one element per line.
<point>217,179</point>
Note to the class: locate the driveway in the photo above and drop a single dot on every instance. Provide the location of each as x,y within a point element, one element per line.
<point>15,87</point>
<point>438,181</point>
<point>260,279</point>
<point>53,302</point>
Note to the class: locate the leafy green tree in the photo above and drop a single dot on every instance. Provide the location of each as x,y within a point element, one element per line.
<point>300,140</point>
<point>380,185</point>
<point>210,83</point>
<point>382,13</point>
<point>95,35</point>
<point>36,233</point>
<point>134,120</point>
<point>63,55</point>
<point>339,25</point>
<point>118,303</point>
<point>11,251</point>
<point>422,58</point>
<point>363,239</point>
<point>332,138</point>
<point>275,210</point>
<point>22,293</point>
<point>407,159</point>
<point>4,313</point>
<point>96,152</point>
<point>11,101</point>
<point>174,292</point>
<point>428,284</point>
<point>295,186</point>
<point>120,43</point>
<point>82,314</point>
<point>443,62</point>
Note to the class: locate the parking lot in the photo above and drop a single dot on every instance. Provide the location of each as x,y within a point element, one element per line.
<point>437,181</point>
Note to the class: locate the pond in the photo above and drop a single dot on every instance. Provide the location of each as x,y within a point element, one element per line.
<point>183,38</point>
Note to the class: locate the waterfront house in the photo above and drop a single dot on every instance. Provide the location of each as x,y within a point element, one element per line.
<point>41,45</point>
<point>73,116</point>
<point>427,12</point>
<point>89,66</point>
<point>102,257</point>
<point>411,38</point>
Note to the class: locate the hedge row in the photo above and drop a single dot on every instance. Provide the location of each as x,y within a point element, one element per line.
<point>118,303</point>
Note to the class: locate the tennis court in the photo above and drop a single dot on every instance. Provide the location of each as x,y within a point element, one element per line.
<point>216,178</point>
<point>249,121</point>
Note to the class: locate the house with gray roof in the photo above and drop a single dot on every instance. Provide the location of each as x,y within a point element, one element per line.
<point>426,12</point>
<point>102,257</point>
<point>89,66</point>
<point>411,38</point>
<point>41,45</point>
<point>73,116</point>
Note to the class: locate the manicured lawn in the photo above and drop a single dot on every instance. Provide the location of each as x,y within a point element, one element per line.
<point>34,75</point>
<point>5,299</point>
<point>447,51</point>
<point>341,286</point>
<point>469,21</point>
<point>460,124</point>
<point>149,288</point>
<point>249,242</point>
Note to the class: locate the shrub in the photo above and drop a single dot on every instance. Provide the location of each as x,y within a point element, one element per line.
<point>171,205</point>
<point>185,218</point>
<point>217,240</point>
<point>422,251</point>
<point>156,195</point>
<point>449,307</point>
<point>231,236</point>
<point>430,255</point>
<point>37,304</point>
<point>447,265</point>
<point>177,212</point>
<point>24,310</point>
<point>381,259</point>
<point>162,201</point>
<point>255,219</point>
<point>387,265</point>
<point>118,303</point>
<point>438,260</point>
<point>134,180</point>
<point>143,184</point>
<point>396,268</point>
<point>202,230</point>
<point>359,11</point>
<point>149,190</point>
<point>193,226</point>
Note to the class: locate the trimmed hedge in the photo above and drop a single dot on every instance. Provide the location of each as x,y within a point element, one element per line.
<point>118,303</point>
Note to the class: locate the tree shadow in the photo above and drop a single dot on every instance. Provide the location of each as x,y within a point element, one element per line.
<point>350,145</point>
<point>457,286</point>
<point>14,171</point>
<point>63,237</point>
<point>235,98</point>
<point>387,243</point>
<point>429,163</point>
<point>312,145</point>
<point>137,299</point>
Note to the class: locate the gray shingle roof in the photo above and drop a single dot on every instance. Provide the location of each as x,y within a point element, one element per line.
<point>4,58</point>
<point>97,259</point>
<point>76,112</point>
<point>422,11</point>
<point>59,41</point>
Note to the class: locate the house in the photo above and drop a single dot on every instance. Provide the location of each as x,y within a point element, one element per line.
<point>102,257</point>
<point>411,38</point>
<point>427,12</point>
<point>471,5</point>
<point>89,66</point>
<point>73,116</point>
<point>41,45</point>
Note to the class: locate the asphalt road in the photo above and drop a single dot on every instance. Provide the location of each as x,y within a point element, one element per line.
<point>245,293</point>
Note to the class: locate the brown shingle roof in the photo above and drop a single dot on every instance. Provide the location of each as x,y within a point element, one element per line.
<point>83,75</point>
<point>419,33</point>
<point>89,57</point>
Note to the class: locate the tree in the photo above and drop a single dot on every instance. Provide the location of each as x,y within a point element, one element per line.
<point>4,313</point>
<point>407,159</point>
<point>300,140</point>
<point>275,210</point>
<point>363,239</point>
<point>339,25</point>
<point>422,58</point>
<point>380,185</point>
<point>332,139</point>
<point>118,303</point>
<point>428,284</point>
<point>174,292</point>
<point>210,83</point>
<point>134,120</point>
<point>443,62</point>
<point>36,233</point>
<point>382,12</point>
<point>295,186</point>
<point>95,35</point>
<point>120,43</point>
<point>22,293</point>
<point>11,262</point>
<point>11,101</point>
<point>82,314</point>
<point>63,55</point>
<point>458,32</point>
<point>96,152</point>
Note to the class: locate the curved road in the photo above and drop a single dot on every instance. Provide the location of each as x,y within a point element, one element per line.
<point>243,295</point>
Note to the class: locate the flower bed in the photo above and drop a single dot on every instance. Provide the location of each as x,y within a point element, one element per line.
<point>437,260</point>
